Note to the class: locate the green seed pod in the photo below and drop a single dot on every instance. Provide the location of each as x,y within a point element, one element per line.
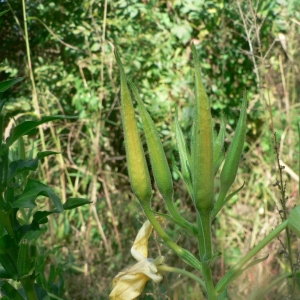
<point>232,160</point>
<point>202,152</point>
<point>136,161</point>
<point>160,167</point>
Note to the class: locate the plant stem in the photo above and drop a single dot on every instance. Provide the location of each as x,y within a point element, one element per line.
<point>183,272</point>
<point>231,274</point>
<point>34,92</point>
<point>28,285</point>
<point>206,253</point>
<point>184,254</point>
<point>282,188</point>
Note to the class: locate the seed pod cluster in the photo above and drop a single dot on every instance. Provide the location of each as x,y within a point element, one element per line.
<point>160,167</point>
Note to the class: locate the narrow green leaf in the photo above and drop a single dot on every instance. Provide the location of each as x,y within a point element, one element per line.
<point>4,12</point>
<point>27,126</point>
<point>41,216</point>
<point>44,154</point>
<point>232,160</point>
<point>8,264</point>
<point>9,291</point>
<point>238,267</point>
<point>219,205</point>
<point>33,235</point>
<point>34,189</point>
<point>238,272</point>
<point>188,186</point>
<point>3,273</point>
<point>5,85</point>
<point>218,146</point>
<point>294,220</point>
<point>184,155</point>
<point>218,161</point>
<point>19,166</point>
<point>75,202</point>
<point>255,262</point>
<point>299,158</point>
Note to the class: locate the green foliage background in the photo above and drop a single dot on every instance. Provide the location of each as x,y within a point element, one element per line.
<point>242,45</point>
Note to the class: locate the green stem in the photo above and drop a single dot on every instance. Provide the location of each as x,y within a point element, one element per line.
<point>220,202</point>
<point>182,272</point>
<point>275,282</point>
<point>34,92</point>
<point>184,254</point>
<point>231,274</point>
<point>204,220</point>
<point>206,271</point>
<point>206,253</point>
<point>201,243</point>
<point>28,285</point>
<point>299,158</point>
<point>178,219</point>
<point>1,129</point>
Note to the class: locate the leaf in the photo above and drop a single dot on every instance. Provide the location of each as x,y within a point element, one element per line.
<point>28,126</point>
<point>9,291</point>
<point>218,206</point>
<point>184,155</point>
<point>187,185</point>
<point>34,189</point>
<point>41,216</point>
<point>218,146</point>
<point>34,233</point>
<point>3,273</point>
<point>4,12</point>
<point>255,262</point>
<point>75,202</point>
<point>294,218</point>
<point>5,85</point>
<point>20,165</point>
<point>40,293</point>
<point>192,231</point>
<point>95,47</point>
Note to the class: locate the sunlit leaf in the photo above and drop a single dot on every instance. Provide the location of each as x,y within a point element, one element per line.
<point>19,166</point>
<point>5,85</point>
<point>27,126</point>
<point>75,202</point>
<point>34,189</point>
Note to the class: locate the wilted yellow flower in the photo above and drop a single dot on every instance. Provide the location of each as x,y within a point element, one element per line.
<point>130,283</point>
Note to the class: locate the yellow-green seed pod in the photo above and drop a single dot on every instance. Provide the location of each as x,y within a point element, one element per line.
<point>202,152</point>
<point>160,167</point>
<point>136,161</point>
<point>232,160</point>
